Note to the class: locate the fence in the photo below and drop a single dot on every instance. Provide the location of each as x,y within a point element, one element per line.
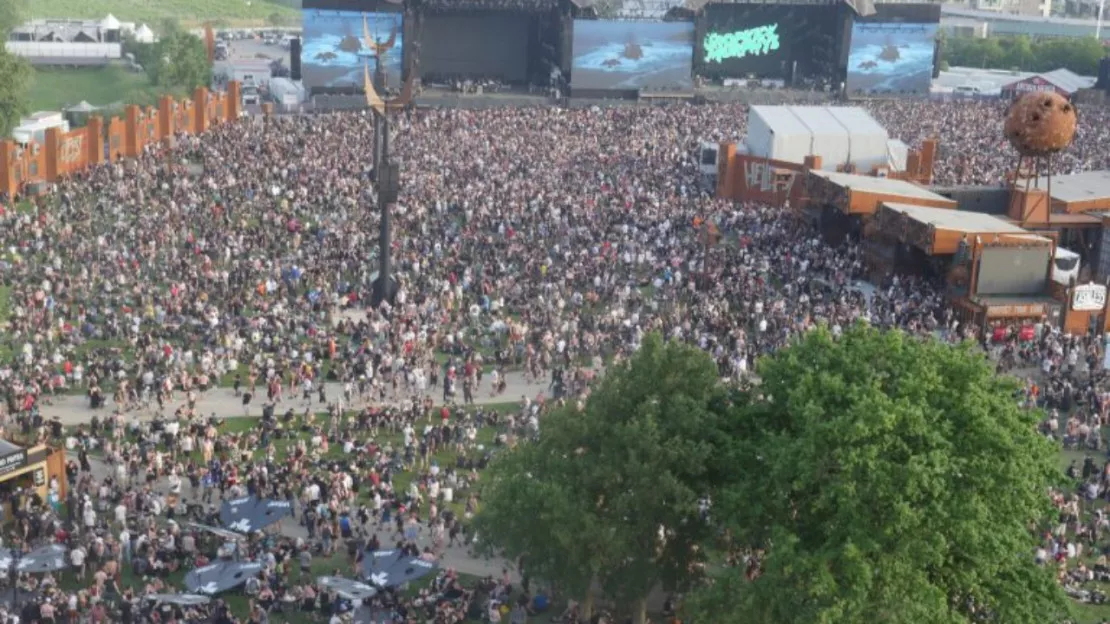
<point>30,169</point>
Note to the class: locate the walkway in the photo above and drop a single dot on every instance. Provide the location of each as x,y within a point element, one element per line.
<point>222,402</point>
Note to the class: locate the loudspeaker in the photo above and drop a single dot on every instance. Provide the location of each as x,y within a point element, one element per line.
<point>936,59</point>
<point>295,58</point>
<point>1103,75</point>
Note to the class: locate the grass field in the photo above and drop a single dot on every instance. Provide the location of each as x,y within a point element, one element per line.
<point>188,12</point>
<point>55,89</point>
<point>1088,613</point>
<point>328,565</point>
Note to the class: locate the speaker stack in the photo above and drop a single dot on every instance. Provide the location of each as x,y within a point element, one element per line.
<point>1104,75</point>
<point>295,58</point>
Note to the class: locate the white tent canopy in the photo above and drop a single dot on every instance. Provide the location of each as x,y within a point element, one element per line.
<point>143,34</point>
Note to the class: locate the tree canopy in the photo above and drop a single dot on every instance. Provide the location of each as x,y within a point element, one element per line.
<point>883,479</point>
<point>585,504</point>
<point>1080,55</point>
<point>177,62</point>
<point>15,73</point>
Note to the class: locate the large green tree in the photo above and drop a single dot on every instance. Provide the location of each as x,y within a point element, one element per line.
<point>179,61</point>
<point>886,479</point>
<point>1081,55</point>
<point>15,73</point>
<point>584,506</point>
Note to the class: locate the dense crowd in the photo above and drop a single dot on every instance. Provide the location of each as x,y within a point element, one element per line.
<point>972,148</point>
<point>535,244</point>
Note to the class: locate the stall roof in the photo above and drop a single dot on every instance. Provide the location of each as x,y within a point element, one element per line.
<point>7,448</point>
<point>957,220</point>
<point>884,186</point>
<point>1080,187</point>
<point>1064,79</point>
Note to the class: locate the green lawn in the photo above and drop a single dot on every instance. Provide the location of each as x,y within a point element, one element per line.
<point>188,12</point>
<point>321,566</point>
<point>1088,613</point>
<point>5,303</point>
<point>55,89</point>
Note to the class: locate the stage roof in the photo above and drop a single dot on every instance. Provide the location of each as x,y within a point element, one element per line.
<point>883,186</point>
<point>957,220</point>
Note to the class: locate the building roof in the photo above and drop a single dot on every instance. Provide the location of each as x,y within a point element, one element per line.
<point>806,120</point>
<point>987,81</point>
<point>883,186</point>
<point>110,22</point>
<point>59,30</point>
<point>1063,79</point>
<point>957,220</point>
<point>780,120</point>
<point>1004,23</point>
<point>1080,187</point>
<point>1011,17</point>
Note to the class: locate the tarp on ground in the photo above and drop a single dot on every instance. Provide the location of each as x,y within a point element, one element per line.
<point>179,599</point>
<point>252,513</point>
<point>47,558</point>
<point>390,568</point>
<point>220,577</point>
<point>347,588</point>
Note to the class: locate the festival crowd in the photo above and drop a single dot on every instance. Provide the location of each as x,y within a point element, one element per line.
<point>534,243</point>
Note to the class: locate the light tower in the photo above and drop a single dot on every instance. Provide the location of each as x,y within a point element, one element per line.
<point>386,172</point>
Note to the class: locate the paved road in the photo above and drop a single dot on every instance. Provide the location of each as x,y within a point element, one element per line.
<point>74,409</point>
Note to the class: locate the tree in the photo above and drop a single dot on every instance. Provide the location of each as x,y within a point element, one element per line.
<point>11,11</point>
<point>1080,55</point>
<point>179,62</point>
<point>888,480</point>
<point>584,505</point>
<point>15,73</point>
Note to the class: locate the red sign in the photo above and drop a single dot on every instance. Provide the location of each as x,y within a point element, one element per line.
<point>1035,84</point>
<point>769,181</point>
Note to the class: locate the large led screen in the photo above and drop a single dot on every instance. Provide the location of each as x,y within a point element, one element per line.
<point>632,55</point>
<point>334,47</point>
<point>891,58</point>
<point>484,45</point>
<point>769,41</point>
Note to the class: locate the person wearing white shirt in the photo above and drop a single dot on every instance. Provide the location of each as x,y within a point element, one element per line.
<point>77,559</point>
<point>88,515</point>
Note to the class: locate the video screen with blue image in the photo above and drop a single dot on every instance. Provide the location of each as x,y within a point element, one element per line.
<point>626,55</point>
<point>336,45</point>
<point>891,58</point>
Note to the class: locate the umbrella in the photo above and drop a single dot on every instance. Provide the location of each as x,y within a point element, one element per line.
<point>43,559</point>
<point>252,513</point>
<point>179,599</point>
<point>220,577</point>
<point>347,588</point>
<point>390,568</point>
<point>224,533</point>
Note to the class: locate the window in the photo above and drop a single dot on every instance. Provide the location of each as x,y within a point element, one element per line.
<point>708,157</point>
<point>1067,264</point>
